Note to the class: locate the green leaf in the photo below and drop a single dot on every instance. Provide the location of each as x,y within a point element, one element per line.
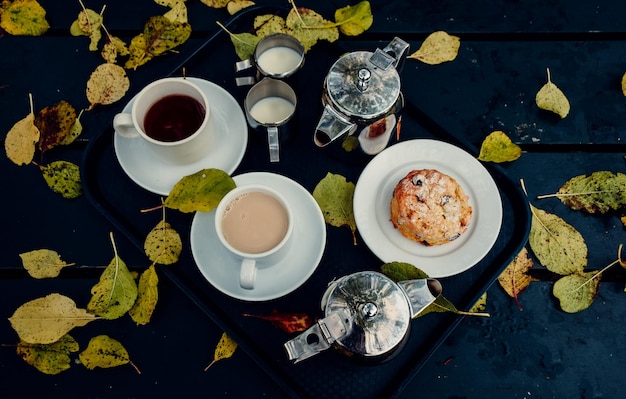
<point>576,292</point>
<point>400,271</point>
<point>335,195</point>
<point>147,298</point>
<point>201,191</point>
<point>49,358</point>
<point>355,19</point>
<point>551,98</point>
<point>115,293</point>
<point>498,147</point>
<point>557,245</point>
<point>63,178</point>
<point>105,352</point>
<point>598,192</point>
<point>244,43</point>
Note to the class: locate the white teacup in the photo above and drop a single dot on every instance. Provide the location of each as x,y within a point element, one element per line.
<point>172,115</point>
<point>255,224</point>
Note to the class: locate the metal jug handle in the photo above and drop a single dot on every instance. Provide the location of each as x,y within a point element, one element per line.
<point>399,50</point>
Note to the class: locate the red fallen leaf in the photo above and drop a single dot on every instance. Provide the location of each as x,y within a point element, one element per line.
<point>288,322</point>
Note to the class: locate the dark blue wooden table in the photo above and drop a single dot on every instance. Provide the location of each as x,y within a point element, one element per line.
<point>506,46</point>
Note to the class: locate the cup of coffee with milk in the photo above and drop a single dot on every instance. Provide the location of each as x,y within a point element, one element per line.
<point>255,224</point>
<point>277,56</point>
<point>172,116</point>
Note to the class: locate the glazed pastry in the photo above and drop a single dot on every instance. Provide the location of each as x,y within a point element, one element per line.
<point>430,207</point>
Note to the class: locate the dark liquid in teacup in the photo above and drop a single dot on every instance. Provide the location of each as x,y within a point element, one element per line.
<point>173,118</point>
<point>255,222</point>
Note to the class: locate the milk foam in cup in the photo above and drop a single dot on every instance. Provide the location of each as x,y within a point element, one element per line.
<point>254,223</point>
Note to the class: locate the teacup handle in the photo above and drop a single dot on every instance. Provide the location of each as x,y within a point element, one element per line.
<point>247,276</point>
<point>123,124</point>
<point>272,142</point>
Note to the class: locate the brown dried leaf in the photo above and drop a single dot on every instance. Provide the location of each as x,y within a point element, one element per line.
<point>514,278</point>
<point>55,123</point>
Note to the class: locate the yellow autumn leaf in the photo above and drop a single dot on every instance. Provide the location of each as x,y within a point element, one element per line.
<point>105,352</point>
<point>201,191</point>
<point>113,48</point>
<point>515,279</point>
<point>45,320</point>
<point>225,348</point>
<point>75,130</point>
<point>107,84</point>
<point>234,6</point>
<point>309,27</point>
<point>480,304</point>
<point>551,98</point>
<point>215,3</point>
<point>50,358</point>
<point>437,48</point>
<point>498,147</point>
<point>177,13</point>
<point>356,19</point>
<point>23,18</point>
<point>163,244</point>
<point>268,24</point>
<point>88,23</point>
<point>43,263</point>
<point>21,141</point>
<point>624,84</point>
<point>147,298</point>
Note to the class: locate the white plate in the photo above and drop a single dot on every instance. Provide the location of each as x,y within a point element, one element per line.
<point>225,153</point>
<point>302,258</point>
<point>374,189</point>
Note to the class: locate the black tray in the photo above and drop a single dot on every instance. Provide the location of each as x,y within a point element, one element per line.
<point>328,374</point>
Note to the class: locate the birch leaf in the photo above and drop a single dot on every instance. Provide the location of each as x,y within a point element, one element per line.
<point>113,48</point>
<point>598,192</point>
<point>480,305</point>
<point>63,178</point>
<point>557,245</point>
<point>177,13</point>
<point>437,48</point>
<point>515,279</point>
<point>356,19</point>
<point>215,3</point>
<point>577,291</point>
<point>104,352</point>
<point>201,191</point>
<point>45,320</point>
<point>401,271</point>
<point>115,293</point>
<point>225,348</point>
<point>75,131</point>
<point>107,84</point>
<point>244,44</point>
<point>20,142</point>
<point>163,244</point>
<point>147,298</point>
<point>234,6</point>
<point>88,23</point>
<point>309,27</point>
<point>624,84</point>
<point>49,358</point>
<point>42,263</point>
<point>335,195</point>
<point>23,18</point>
<point>268,24</point>
<point>498,147</point>
<point>551,98</point>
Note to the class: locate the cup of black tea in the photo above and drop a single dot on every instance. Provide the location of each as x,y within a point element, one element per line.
<point>172,116</point>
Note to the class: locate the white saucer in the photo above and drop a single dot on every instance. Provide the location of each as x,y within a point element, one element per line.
<point>303,256</point>
<point>226,151</point>
<point>374,189</point>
